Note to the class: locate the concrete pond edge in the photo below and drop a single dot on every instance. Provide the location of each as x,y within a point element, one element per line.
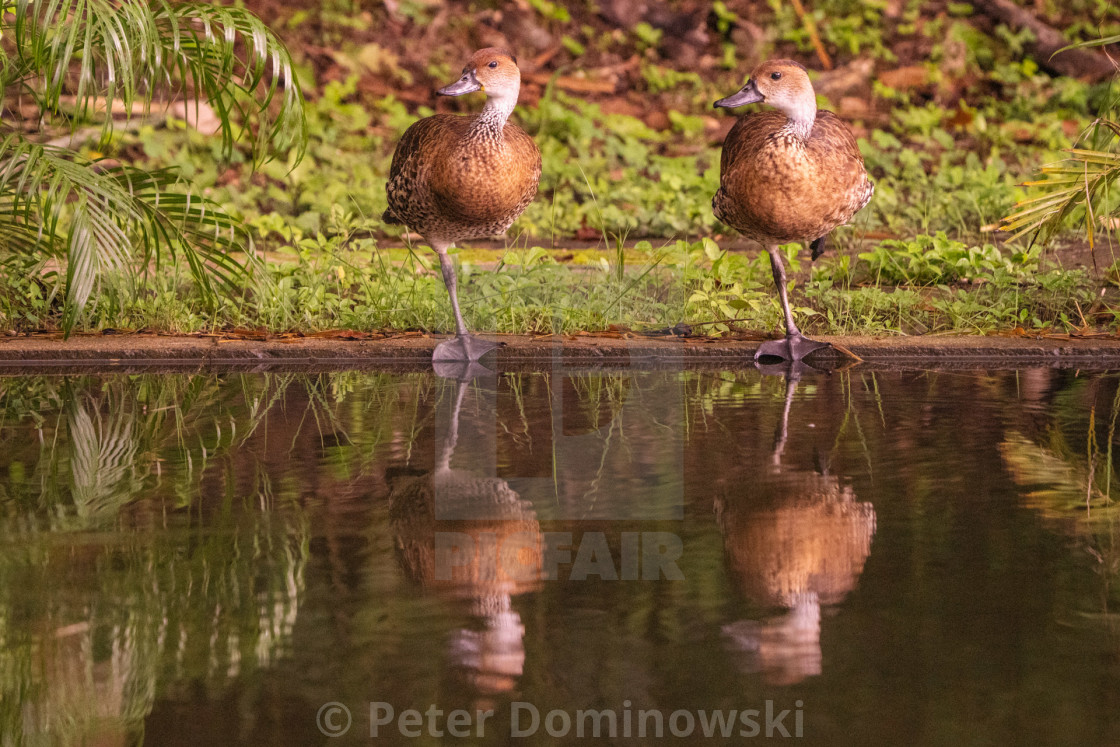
<point>89,353</point>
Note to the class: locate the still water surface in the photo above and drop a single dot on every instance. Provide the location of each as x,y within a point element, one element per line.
<point>890,557</point>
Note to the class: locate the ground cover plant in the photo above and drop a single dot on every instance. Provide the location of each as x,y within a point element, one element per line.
<point>955,110</point>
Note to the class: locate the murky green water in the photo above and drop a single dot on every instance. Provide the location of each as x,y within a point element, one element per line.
<point>891,558</point>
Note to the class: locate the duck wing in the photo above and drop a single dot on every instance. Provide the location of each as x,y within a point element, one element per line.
<point>419,148</point>
<point>526,161</point>
<point>746,139</point>
<point>834,148</point>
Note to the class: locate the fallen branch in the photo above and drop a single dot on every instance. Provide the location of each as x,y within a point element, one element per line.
<point>811,30</point>
<point>1075,63</point>
<point>573,84</point>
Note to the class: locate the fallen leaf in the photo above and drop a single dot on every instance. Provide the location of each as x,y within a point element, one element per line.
<point>904,78</point>
<point>587,233</point>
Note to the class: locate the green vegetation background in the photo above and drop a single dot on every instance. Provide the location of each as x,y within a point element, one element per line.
<point>952,111</point>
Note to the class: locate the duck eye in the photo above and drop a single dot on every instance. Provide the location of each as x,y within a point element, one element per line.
<point>775,76</point>
<point>493,64</point>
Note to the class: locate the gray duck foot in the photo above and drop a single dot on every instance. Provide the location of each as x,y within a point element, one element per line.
<point>792,348</point>
<point>463,348</point>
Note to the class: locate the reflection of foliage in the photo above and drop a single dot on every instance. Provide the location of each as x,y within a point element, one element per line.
<point>103,463</point>
<point>103,436</point>
<point>602,398</point>
<point>1072,490</point>
<point>170,596</point>
<point>1064,484</point>
<point>195,570</point>
<point>1061,487</point>
<point>584,443</point>
<point>75,661</point>
<point>97,444</point>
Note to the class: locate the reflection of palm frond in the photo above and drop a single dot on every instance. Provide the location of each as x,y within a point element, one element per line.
<point>97,442</point>
<point>100,440</point>
<point>103,459</point>
<point>204,610</point>
<point>211,600</point>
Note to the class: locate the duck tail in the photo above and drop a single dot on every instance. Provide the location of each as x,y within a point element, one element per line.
<point>818,246</point>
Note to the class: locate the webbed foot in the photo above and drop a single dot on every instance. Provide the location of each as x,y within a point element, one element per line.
<point>792,348</point>
<point>463,348</point>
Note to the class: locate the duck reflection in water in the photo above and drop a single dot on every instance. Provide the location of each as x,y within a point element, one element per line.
<point>489,553</point>
<point>797,541</point>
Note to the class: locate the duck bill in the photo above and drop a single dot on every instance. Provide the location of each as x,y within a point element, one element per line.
<point>467,84</point>
<point>748,94</point>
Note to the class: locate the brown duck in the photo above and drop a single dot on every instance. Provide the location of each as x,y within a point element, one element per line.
<point>465,177</point>
<point>788,175</point>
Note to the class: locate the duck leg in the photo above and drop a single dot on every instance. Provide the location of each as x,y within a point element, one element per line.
<point>795,346</point>
<point>782,435</point>
<point>464,346</point>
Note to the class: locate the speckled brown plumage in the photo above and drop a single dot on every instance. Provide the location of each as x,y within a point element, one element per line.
<point>776,188</point>
<point>462,177</point>
<point>455,178</point>
<point>779,183</point>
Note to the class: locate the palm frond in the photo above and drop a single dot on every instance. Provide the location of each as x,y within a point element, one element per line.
<point>1079,182</point>
<point>187,224</point>
<point>63,206</point>
<point>81,59</point>
<point>1102,42</point>
<point>104,51</point>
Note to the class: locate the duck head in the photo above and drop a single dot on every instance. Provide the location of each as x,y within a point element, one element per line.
<point>493,70</point>
<point>784,85</point>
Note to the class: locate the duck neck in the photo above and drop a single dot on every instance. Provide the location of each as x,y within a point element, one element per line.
<point>801,118</point>
<point>492,120</point>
